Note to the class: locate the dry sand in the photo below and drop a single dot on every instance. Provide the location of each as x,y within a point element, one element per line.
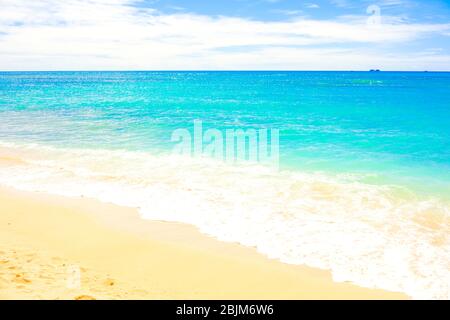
<point>60,248</point>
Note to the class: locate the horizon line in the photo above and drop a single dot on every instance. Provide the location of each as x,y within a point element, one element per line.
<point>232,70</point>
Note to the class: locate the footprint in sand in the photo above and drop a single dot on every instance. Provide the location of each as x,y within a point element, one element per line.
<point>84,297</point>
<point>109,282</point>
<point>20,278</point>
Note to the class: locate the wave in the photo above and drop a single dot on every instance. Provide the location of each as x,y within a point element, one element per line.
<point>376,236</point>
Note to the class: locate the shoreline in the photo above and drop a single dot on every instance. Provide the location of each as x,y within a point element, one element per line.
<point>121,256</point>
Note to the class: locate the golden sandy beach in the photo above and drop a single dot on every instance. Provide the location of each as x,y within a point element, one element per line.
<point>47,243</point>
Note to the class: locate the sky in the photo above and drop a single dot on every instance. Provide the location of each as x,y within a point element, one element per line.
<point>407,35</point>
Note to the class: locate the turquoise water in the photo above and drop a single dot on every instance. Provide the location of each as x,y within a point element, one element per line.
<point>364,179</point>
<point>394,124</point>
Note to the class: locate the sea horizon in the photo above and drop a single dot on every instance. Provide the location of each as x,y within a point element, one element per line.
<point>232,70</point>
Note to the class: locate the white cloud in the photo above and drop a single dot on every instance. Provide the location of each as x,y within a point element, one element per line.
<point>114,34</point>
<point>312,5</point>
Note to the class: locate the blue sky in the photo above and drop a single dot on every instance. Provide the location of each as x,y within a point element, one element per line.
<point>424,10</point>
<point>224,35</point>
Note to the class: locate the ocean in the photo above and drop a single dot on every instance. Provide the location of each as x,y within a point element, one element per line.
<point>361,186</point>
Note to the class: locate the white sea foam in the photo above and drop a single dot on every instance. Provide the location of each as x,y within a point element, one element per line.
<point>374,236</point>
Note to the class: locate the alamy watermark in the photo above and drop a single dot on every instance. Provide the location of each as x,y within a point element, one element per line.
<point>233,146</point>
<point>374,19</point>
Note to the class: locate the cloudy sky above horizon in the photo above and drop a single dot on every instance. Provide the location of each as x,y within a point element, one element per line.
<point>224,35</point>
